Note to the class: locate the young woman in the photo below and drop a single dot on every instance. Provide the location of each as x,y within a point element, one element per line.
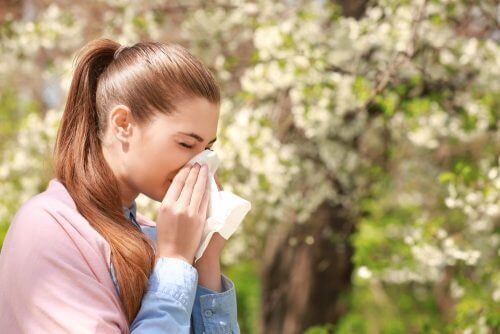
<point>78,258</point>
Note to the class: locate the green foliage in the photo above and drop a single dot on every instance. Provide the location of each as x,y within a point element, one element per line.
<point>325,329</point>
<point>246,279</point>
<point>3,231</point>
<point>12,112</point>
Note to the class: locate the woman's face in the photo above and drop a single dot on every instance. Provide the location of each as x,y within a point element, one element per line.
<point>146,158</point>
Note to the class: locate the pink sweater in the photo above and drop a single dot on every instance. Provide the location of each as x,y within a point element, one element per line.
<point>51,252</point>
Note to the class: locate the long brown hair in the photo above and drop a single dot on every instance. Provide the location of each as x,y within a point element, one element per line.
<point>149,78</point>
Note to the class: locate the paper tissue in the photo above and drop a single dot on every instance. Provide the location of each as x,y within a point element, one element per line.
<point>225,209</point>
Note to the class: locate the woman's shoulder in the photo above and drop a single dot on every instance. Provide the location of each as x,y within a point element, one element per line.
<point>49,220</point>
<point>35,229</point>
<point>47,209</point>
<point>39,208</point>
<point>37,235</point>
<point>53,199</point>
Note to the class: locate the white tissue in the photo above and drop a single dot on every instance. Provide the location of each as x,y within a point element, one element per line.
<point>225,209</point>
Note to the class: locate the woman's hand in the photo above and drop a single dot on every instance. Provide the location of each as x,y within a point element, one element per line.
<point>182,215</point>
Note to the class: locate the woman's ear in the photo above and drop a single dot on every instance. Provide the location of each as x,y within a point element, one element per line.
<point>120,120</point>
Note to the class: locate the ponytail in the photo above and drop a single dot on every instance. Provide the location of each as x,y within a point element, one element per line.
<point>80,165</point>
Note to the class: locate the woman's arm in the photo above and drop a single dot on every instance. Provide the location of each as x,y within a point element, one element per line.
<point>167,305</point>
<point>214,310</point>
<point>208,266</point>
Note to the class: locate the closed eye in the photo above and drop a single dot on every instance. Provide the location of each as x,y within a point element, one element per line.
<point>186,145</point>
<point>191,146</point>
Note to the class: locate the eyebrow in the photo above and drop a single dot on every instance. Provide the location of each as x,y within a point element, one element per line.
<point>198,138</point>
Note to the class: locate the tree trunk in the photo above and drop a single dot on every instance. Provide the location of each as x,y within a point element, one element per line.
<point>303,283</point>
<point>352,8</point>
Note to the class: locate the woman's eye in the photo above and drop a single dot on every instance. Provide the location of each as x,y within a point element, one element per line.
<point>191,146</point>
<point>186,145</point>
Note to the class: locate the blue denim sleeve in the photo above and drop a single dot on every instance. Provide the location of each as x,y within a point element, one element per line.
<point>213,312</point>
<point>167,304</point>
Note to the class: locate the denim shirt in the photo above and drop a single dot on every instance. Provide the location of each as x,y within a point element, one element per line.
<point>176,303</point>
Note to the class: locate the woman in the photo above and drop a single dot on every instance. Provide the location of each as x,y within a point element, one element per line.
<point>78,257</point>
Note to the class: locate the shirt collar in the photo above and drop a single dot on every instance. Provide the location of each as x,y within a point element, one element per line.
<point>130,211</point>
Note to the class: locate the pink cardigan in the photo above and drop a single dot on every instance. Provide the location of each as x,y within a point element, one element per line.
<point>48,250</point>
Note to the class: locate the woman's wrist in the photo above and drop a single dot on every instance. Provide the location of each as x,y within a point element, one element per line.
<point>209,272</point>
<point>173,255</point>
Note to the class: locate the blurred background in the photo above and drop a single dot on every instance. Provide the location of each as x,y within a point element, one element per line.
<point>365,134</point>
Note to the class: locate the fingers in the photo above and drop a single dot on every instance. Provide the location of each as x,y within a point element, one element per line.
<point>206,199</point>
<point>199,190</point>
<point>187,191</point>
<point>177,185</point>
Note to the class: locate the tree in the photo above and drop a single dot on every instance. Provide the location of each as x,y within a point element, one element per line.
<point>367,142</point>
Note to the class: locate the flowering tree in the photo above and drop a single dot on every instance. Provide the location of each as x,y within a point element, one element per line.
<point>368,143</point>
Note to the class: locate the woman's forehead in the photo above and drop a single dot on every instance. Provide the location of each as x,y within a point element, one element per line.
<point>198,116</point>
<point>196,108</point>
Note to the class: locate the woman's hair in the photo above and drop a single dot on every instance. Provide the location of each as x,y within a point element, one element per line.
<point>149,78</point>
